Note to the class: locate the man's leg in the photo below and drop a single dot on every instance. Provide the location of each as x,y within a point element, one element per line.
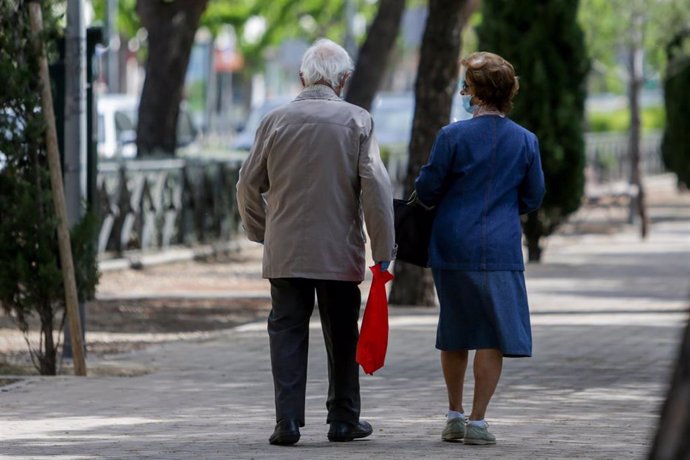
<point>339,303</point>
<point>288,331</point>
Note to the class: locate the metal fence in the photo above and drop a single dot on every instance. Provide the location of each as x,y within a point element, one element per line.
<point>153,204</point>
<point>608,155</point>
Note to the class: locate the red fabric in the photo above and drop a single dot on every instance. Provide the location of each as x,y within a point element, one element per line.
<point>373,336</point>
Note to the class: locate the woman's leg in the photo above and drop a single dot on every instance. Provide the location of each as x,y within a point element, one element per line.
<point>487,370</point>
<point>454,364</point>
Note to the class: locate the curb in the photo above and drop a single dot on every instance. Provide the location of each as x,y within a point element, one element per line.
<point>139,259</point>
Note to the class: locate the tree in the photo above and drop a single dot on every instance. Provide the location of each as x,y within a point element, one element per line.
<point>638,18</point>
<point>545,44</point>
<point>171,27</point>
<point>437,78</point>
<point>637,28</point>
<point>373,55</point>
<point>671,440</point>
<point>281,20</point>
<point>676,141</point>
<point>31,283</point>
<point>607,27</point>
<point>603,27</point>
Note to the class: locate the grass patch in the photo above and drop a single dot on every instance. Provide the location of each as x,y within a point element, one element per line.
<point>16,369</point>
<point>653,119</point>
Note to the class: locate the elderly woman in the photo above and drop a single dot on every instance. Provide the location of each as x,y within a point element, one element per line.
<point>482,174</point>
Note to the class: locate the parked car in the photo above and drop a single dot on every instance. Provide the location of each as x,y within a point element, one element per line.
<point>245,138</point>
<point>117,126</point>
<point>392,113</point>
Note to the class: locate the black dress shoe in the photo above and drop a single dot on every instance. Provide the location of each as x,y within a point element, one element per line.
<point>343,431</point>
<point>286,433</point>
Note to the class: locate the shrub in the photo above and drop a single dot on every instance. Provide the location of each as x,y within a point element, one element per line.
<point>675,146</point>
<point>653,119</point>
<point>30,278</point>
<point>546,46</point>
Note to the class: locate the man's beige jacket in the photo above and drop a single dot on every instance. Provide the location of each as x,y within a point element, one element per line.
<point>313,173</point>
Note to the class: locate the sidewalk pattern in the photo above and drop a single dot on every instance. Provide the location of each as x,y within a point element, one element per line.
<point>607,316</point>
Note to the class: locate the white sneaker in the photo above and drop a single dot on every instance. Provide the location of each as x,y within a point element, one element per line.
<point>478,435</point>
<point>454,430</point>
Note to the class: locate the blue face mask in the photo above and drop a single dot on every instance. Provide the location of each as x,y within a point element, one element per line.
<point>467,103</point>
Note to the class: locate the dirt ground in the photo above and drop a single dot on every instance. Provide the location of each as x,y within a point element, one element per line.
<point>136,308</point>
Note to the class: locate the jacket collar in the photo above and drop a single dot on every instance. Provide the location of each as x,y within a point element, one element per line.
<point>317,91</point>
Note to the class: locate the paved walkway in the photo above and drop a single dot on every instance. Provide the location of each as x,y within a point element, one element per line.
<point>607,315</point>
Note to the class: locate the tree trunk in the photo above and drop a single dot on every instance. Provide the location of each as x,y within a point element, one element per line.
<point>373,55</point>
<point>672,440</point>
<point>533,240</point>
<point>437,77</point>
<point>171,28</point>
<point>48,353</point>
<point>413,286</point>
<point>637,201</point>
<point>533,229</point>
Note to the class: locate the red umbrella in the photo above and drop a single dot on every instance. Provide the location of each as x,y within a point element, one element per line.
<point>373,336</point>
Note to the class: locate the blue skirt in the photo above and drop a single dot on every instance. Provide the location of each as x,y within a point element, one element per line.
<point>483,309</point>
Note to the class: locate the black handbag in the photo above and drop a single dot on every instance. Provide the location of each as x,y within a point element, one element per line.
<point>413,223</point>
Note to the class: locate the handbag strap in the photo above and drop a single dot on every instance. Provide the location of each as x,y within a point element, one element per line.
<point>414,200</point>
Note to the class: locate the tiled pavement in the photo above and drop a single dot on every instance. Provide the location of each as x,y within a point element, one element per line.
<point>607,313</point>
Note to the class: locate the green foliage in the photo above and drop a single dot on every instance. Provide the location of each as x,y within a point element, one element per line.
<point>606,24</point>
<point>196,95</point>
<point>30,275</point>
<point>676,141</point>
<point>603,26</point>
<point>545,44</point>
<point>127,21</point>
<point>284,19</point>
<point>667,19</point>
<point>653,119</point>
<point>83,237</point>
<point>617,120</point>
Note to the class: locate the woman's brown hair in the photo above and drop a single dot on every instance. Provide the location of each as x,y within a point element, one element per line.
<point>493,79</point>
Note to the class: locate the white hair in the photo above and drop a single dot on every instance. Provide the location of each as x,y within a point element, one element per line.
<point>325,60</point>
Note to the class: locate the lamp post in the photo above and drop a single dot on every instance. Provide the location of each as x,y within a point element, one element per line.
<point>74,155</point>
<point>349,39</point>
<point>112,40</point>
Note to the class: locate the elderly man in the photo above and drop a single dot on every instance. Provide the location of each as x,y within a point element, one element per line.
<point>313,170</point>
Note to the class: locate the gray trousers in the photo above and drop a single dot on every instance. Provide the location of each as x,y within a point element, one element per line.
<point>288,330</point>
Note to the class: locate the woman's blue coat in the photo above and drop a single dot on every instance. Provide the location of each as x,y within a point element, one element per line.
<point>482,174</point>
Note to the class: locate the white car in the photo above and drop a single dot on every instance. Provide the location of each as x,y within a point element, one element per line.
<point>392,113</point>
<point>117,126</point>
